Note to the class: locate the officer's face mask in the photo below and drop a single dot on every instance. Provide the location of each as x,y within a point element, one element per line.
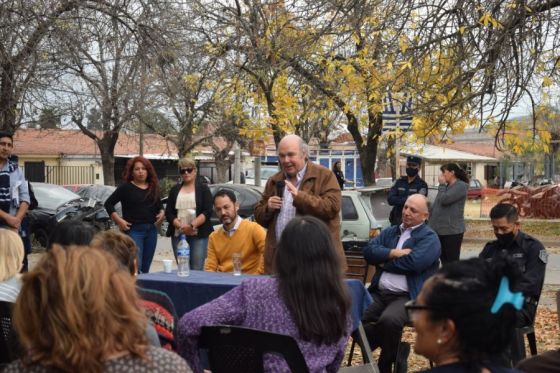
<point>411,171</point>
<point>505,231</point>
<point>505,239</point>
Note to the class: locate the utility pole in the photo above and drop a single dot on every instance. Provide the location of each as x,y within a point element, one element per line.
<point>236,162</point>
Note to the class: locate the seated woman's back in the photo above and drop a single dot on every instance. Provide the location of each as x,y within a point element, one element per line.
<point>78,312</point>
<point>307,299</point>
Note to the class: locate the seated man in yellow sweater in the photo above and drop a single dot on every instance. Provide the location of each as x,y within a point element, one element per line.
<point>235,236</point>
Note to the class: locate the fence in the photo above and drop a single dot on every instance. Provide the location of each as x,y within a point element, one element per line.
<point>542,202</point>
<point>61,175</point>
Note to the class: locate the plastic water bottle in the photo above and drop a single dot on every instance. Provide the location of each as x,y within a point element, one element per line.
<point>183,257</point>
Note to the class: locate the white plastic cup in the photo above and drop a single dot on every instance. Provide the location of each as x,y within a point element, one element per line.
<point>167,265</point>
<point>236,259</point>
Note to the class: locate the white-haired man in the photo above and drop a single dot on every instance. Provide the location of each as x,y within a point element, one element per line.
<point>300,188</point>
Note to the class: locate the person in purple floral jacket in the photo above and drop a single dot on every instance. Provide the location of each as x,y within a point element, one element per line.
<point>306,299</point>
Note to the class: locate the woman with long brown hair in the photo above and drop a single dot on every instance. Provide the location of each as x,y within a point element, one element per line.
<point>306,299</point>
<point>78,313</point>
<point>141,206</point>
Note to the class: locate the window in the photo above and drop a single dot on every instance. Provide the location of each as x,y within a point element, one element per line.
<point>349,211</point>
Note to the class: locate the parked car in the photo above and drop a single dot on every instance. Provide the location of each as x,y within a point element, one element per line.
<point>97,192</point>
<point>266,173</point>
<point>384,182</point>
<point>247,197</point>
<point>56,204</point>
<point>364,213</point>
<point>475,189</point>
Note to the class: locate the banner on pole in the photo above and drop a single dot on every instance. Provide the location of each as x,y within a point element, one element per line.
<point>397,114</point>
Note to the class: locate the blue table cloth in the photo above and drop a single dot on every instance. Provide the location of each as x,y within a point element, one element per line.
<point>201,287</point>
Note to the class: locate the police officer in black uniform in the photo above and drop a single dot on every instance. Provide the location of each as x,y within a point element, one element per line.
<point>527,251</point>
<point>405,186</point>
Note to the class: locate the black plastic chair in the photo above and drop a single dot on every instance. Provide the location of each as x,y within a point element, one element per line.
<point>9,344</point>
<point>518,352</point>
<point>359,337</point>
<point>240,349</point>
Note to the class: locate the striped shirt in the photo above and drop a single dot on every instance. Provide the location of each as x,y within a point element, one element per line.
<point>9,289</point>
<point>288,210</point>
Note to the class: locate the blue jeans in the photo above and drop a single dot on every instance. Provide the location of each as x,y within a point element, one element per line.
<point>145,237</point>
<point>199,250</point>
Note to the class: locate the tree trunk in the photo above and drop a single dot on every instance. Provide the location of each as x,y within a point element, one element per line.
<point>367,151</point>
<point>222,168</point>
<point>8,103</point>
<point>108,161</point>
<point>107,150</point>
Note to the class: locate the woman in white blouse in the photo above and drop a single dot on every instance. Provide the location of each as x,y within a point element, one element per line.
<point>188,211</point>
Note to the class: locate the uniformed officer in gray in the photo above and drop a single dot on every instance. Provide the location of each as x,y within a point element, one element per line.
<point>404,187</point>
<point>527,251</point>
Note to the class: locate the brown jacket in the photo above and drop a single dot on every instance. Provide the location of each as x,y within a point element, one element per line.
<point>319,195</point>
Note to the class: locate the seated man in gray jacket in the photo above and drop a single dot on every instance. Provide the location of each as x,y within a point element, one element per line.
<point>404,256</point>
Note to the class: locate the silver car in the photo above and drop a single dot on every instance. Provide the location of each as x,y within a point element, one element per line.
<point>364,212</point>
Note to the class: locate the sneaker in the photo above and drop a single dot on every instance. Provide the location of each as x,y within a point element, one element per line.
<point>401,363</point>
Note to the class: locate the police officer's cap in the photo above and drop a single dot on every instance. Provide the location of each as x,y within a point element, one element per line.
<point>414,159</point>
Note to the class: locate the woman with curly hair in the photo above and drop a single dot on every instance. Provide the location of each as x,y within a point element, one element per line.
<point>141,206</point>
<point>78,313</point>
<point>464,315</point>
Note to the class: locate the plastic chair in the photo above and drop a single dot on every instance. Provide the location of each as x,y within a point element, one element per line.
<point>359,337</point>
<point>358,269</point>
<point>9,344</point>
<point>518,352</point>
<point>240,349</point>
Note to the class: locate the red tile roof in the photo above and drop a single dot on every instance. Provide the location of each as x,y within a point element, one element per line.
<point>75,142</point>
<point>479,148</point>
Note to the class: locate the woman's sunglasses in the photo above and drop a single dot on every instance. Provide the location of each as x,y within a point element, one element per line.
<point>188,170</point>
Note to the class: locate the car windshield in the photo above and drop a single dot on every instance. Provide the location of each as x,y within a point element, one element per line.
<point>97,192</point>
<point>52,196</point>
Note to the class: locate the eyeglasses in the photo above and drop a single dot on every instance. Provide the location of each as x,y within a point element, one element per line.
<point>411,307</point>
<point>188,170</point>
<point>413,165</point>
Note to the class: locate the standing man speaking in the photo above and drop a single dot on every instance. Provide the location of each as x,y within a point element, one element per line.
<point>300,188</point>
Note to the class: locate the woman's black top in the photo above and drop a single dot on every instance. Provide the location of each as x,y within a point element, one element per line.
<point>204,204</point>
<point>136,207</point>
<point>340,178</point>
